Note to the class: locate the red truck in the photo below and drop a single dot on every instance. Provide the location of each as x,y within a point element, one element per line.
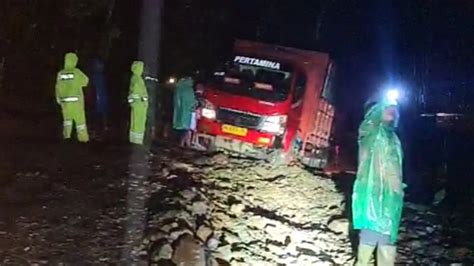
<point>270,102</point>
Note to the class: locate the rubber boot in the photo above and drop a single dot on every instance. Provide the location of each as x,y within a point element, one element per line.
<point>386,255</point>
<point>364,255</point>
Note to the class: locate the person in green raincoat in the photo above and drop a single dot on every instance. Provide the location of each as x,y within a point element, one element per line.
<point>138,100</point>
<point>184,104</point>
<point>377,199</point>
<point>70,82</point>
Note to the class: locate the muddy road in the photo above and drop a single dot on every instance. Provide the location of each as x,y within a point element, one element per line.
<point>108,203</point>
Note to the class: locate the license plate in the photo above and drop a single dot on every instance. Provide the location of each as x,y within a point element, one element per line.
<point>238,131</point>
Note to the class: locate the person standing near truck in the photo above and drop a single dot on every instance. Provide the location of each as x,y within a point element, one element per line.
<point>184,107</point>
<point>377,200</point>
<point>138,100</point>
<point>70,82</point>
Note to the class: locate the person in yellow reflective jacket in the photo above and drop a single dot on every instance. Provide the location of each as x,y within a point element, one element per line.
<point>70,82</point>
<point>138,100</point>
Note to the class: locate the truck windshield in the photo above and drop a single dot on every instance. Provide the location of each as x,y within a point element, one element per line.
<point>257,78</point>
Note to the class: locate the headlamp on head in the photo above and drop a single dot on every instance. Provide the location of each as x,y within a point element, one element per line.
<point>392,96</point>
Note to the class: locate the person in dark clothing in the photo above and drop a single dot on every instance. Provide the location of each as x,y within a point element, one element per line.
<point>101,93</point>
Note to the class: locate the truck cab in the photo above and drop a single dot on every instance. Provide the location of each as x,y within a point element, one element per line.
<point>270,102</point>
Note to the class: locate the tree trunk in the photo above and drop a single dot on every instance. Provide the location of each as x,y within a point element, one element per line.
<point>319,23</point>
<point>2,68</point>
<point>139,165</point>
<point>108,29</point>
<point>148,52</point>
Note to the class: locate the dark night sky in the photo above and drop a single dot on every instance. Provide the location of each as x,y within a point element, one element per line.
<point>373,41</point>
<point>376,41</point>
<point>426,45</point>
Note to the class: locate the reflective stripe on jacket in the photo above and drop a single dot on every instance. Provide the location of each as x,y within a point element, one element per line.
<point>70,99</point>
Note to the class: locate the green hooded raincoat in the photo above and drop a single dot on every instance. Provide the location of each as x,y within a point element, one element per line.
<point>377,200</point>
<point>184,104</point>
<point>138,100</point>
<point>70,82</point>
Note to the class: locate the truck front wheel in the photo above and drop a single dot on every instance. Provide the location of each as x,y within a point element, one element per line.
<point>280,157</point>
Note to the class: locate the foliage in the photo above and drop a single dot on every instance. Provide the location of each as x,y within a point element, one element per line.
<point>85,8</point>
<point>194,34</point>
<point>38,33</point>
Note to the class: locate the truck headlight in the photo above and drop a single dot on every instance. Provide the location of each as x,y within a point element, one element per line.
<point>274,124</point>
<point>208,113</point>
<point>208,110</point>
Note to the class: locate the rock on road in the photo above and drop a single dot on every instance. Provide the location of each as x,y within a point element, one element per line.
<point>73,204</point>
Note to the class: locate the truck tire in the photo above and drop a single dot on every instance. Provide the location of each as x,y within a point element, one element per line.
<point>319,161</point>
<point>280,157</point>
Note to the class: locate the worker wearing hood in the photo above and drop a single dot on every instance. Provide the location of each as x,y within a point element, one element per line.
<point>138,100</point>
<point>70,82</point>
<point>184,105</point>
<point>377,200</point>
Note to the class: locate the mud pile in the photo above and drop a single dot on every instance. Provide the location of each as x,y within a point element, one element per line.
<point>241,212</point>
<point>424,239</point>
<point>85,205</point>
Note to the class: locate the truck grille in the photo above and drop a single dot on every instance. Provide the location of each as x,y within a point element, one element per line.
<point>237,118</point>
